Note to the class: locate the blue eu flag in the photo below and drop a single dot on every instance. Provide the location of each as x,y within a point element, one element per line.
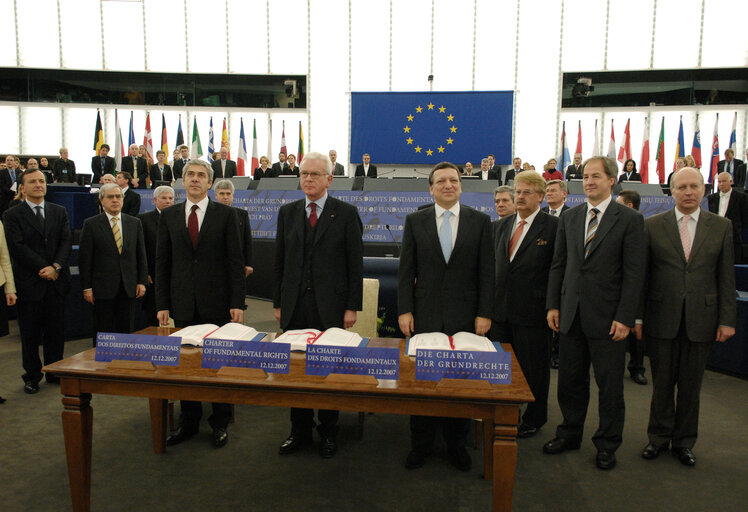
<point>429,127</point>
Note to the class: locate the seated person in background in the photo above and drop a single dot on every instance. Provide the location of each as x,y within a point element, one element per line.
<point>291,169</point>
<point>629,172</point>
<point>264,170</point>
<point>550,172</point>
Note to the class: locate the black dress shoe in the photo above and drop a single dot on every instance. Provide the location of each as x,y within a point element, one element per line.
<point>652,451</point>
<point>180,435</point>
<point>293,442</point>
<point>460,458</point>
<point>685,456</point>
<point>559,445</point>
<point>639,378</point>
<point>415,459</point>
<point>606,459</point>
<point>220,437</point>
<point>2,400</point>
<point>31,388</point>
<point>525,430</point>
<point>327,447</point>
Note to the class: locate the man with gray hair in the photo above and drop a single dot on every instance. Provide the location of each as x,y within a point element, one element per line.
<point>163,197</point>
<point>485,173</point>
<point>137,166</point>
<point>503,197</point>
<point>555,196</point>
<point>199,278</point>
<point>224,194</point>
<point>319,267</point>
<point>64,169</point>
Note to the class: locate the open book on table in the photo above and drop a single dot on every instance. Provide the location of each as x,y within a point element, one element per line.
<point>300,338</point>
<point>440,341</point>
<point>195,334</point>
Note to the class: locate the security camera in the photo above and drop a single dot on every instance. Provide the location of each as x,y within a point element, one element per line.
<point>290,88</point>
<point>582,88</point>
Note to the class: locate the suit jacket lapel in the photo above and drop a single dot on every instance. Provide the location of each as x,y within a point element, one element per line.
<point>300,219</point>
<point>462,227</point>
<point>610,217</point>
<point>508,237</point>
<point>324,220</point>
<point>531,235</point>
<point>671,230</point>
<point>31,214</point>
<point>429,221</point>
<point>577,219</point>
<point>702,229</point>
<point>182,223</point>
<point>207,222</point>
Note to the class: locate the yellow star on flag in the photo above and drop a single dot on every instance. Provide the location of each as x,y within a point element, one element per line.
<point>409,140</point>
<point>441,149</point>
<point>410,117</point>
<point>418,149</point>
<point>430,105</point>
<point>450,140</point>
<point>442,109</point>
<point>453,129</point>
<point>419,109</point>
<point>406,129</point>
<point>429,152</point>
<point>450,117</point>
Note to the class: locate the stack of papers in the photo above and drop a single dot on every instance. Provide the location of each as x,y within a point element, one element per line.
<point>440,341</point>
<point>195,334</point>
<point>300,338</point>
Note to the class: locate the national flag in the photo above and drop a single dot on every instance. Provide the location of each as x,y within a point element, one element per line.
<point>696,146</point>
<point>300,152</point>
<point>225,138</point>
<point>270,141</point>
<point>180,135</point>
<point>733,134</point>
<point>211,147</point>
<point>624,152</point>
<point>164,140</point>
<point>98,134</point>
<point>255,154</point>
<point>428,127</point>
<point>131,137</point>
<point>564,157</point>
<point>241,161</point>
<point>596,142</point>
<point>119,146</point>
<point>196,151</point>
<point>661,153</point>
<point>715,152</point>
<point>680,145</point>
<point>579,141</point>
<point>644,162</point>
<point>148,138</point>
<point>612,143</point>
<point>284,150</point>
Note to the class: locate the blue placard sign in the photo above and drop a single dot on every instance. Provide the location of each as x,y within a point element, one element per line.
<point>271,357</point>
<point>380,362</point>
<point>495,367</point>
<point>159,350</point>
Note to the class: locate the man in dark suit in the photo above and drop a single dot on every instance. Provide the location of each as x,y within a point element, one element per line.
<point>574,171</point>
<point>39,242</point>
<point>102,164</point>
<point>223,167</point>
<point>730,164</point>
<point>199,278</point>
<point>10,178</point>
<point>224,194</point>
<point>63,168</point>
<point>445,284</point>
<point>555,195</point>
<point>163,197</point>
<point>492,165</point>
<point>513,171</point>
<point>337,169</point>
<point>593,294</point>
<point>280,166</point>
<point>629,172</point>
<point>366,169</point>
<point>179,163</point>
<point>160,171</point>
<point>732,204</point>
<point>738,180</point>
<point>131,204</point>
<point>485,174</point>
<point>137,166</point>
<point>503,198</point>
<point>523,246</point>
<point>113,264</point>
<point>318,279</point>
<point>689,303</point>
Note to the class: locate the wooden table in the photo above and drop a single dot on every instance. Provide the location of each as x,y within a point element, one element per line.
<point>81,376</point>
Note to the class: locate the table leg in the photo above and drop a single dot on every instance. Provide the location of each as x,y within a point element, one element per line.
<point>158,424</point>
<point>505,465</point>
<point>77,423</point>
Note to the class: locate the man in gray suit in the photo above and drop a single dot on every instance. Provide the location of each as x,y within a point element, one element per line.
<point>337,169</point>
<point>593,295</point>
<point>689,303</point>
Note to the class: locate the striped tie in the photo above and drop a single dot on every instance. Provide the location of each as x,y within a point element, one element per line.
<point>591,228</point>
<point>117,235</point>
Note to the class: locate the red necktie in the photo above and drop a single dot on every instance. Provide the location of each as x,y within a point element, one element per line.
<point>515,236</point>
<point>192,226</point>
<point>313,215</point>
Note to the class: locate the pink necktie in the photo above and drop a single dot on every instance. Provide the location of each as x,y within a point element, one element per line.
<point>515,236</point>
<point>685,237</point>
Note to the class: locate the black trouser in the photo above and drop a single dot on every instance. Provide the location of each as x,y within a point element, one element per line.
<point>608,359</point>
<point>678,362</point>
<point>532,346</point>
<point>636,354</point>
<point>423,432</point>
<point>192,411</point>
<point>149,306</point>
<point>41,322</point>
<point>306,316</point>
<point>114,315</point>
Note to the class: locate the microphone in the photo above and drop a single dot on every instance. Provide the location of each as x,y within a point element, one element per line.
<point>385,173</point>
<point>393,239</point>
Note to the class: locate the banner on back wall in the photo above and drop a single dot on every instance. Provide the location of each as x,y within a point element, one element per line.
<point>429,127</point>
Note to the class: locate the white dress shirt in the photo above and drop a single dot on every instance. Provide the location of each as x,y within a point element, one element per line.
<point>724,201</point>
<point>454,219</point>
<point>601,210</point>
<point>528,223</point>
<point>691,223</point>
<point>202,205</point>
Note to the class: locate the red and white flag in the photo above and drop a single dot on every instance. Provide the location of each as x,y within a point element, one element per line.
<point>612,143</point>
<point>148,139</point>
<point>255,153</point>
<point>644,162</point>
<point>579,140</point>
<point>715,152</point>
<point>283,140</point>
<point>624,153</point>
<point>241,161</point>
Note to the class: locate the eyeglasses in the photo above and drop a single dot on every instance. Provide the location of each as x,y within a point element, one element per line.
<point>313,175</point>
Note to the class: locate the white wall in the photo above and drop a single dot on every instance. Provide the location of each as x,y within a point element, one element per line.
<point>372,45</point>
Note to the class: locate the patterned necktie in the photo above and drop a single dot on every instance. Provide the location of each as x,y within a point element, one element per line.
<point>40,216</point>
<point>591,228</point>
<point>117,234</point>
<point>192,226</point>
<point>515,237</point>
<point>445,235</point>
<point>135,167</point>
<point>685,236</point>
<point>553,212</point>
<point>313,215</point>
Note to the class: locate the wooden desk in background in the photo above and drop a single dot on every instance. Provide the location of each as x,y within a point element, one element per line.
<point>81,376</point>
